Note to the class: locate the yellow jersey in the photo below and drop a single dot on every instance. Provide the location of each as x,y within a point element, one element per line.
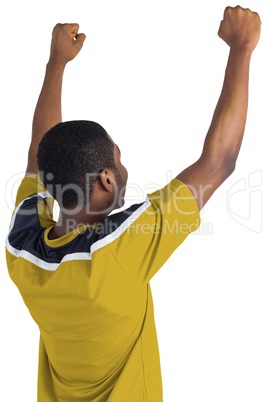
<point>89,293</point>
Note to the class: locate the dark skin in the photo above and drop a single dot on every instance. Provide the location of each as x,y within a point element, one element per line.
<point>102,202</point>
<point>240,29</point>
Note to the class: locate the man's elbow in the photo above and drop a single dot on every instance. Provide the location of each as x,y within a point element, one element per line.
<point>224,169</point>
<point>230,165</point>
<point>221,167</point>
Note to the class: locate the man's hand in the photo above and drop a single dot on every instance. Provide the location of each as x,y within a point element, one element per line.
<point>66,43</point>
<point>240,28</point>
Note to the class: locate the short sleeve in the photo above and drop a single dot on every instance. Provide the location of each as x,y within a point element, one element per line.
<point>155,230</point>
<point>33,190</point>
<point>30,185</point>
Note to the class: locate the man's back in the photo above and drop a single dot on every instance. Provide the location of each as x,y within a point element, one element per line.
<point>88,289</point>
<point>89,292</point>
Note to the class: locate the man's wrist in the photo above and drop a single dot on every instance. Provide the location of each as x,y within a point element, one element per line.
<point>55,65</point>
<point>243,52</point>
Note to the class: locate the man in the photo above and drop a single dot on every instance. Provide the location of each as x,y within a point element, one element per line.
<point>85,279</point>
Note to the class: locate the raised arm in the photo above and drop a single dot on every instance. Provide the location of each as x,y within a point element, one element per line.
<point>65,45</point>
<point>240,29</point>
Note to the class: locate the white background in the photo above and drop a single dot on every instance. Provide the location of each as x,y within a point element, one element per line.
<point>150,73</point>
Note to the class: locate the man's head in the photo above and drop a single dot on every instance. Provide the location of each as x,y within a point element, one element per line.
<point>78,160</point>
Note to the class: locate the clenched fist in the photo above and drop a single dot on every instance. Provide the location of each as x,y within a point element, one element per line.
<point>240,28</point>
<point>66,43</point>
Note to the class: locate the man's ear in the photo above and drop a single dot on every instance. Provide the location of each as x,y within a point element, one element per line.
<point>107,179</point>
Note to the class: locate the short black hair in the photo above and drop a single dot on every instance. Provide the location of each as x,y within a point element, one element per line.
<point>70,157</point>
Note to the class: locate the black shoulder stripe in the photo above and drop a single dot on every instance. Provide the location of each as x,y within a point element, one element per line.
<point>27,233</point>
